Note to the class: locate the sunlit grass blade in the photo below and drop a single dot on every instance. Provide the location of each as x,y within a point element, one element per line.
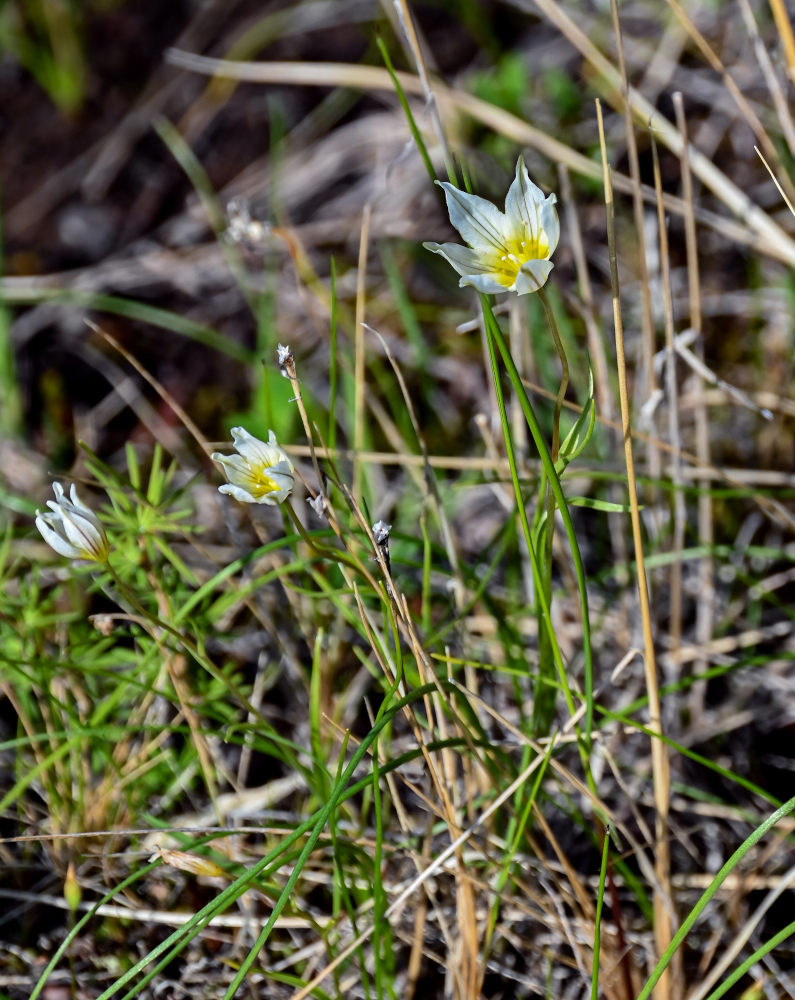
<point>710,891</point>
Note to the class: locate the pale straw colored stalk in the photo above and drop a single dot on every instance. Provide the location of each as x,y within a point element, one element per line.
<point>358,366</point>
<point>671,389</point>
<point>784,26</point>
<point>659,753</point>
<point>705,610</point>
<point>646,388</point>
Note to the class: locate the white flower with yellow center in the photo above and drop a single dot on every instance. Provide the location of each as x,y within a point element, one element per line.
<point>73,529</point>
<point>508,251</point>
<point>259,473</point>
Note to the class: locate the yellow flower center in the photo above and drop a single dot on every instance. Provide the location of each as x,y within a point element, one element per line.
<point>508,260</point>
<point>262,484</point>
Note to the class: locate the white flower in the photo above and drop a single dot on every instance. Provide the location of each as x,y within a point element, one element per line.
<point>259,473</point>
<point>73,529</point>
<point>507,252</point>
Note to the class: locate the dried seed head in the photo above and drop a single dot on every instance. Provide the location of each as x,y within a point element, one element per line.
<point>381,533</point>
<point>241,228</point>
<point>318,504</point>
<point>286,361</point>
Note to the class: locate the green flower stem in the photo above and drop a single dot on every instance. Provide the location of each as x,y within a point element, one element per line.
<point>544,703</point>
<point>597,933</point>
<point>544,700</point>
<point>564,365</point>
<point>549,468</point>
<point>538,579</point>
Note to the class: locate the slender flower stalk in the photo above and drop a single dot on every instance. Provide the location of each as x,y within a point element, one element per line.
<point>260,472</point>
<point>72,528</point>
<point>508,251</point>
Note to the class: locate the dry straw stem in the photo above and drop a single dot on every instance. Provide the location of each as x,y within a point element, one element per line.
<point>436,865</point>
<point>705,611</point>
<point>358,367</point>
<point>596,345</point>
<point>744,107</point>
<point>759,230</point>
<point>596,352</point>
<point>775,181</point>
<point>427,484</point>
<point>659,754</point>
<point>160,389</point>
<point>772,80</point>
<point>406,22</point>
<point>648,345</point>
<point>785,33</point>
<point>679,512</point>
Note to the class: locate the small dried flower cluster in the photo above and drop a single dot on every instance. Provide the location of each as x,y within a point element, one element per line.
<point>285,361</point>
<point>318,504</point>
<point>508,251</point>
<point>381,532</point>
<point>242,228</point>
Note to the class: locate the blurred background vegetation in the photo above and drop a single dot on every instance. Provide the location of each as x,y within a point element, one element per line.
<point>118,162</point>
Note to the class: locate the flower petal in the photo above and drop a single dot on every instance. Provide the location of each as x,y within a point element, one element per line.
<point>234,466</point>
<point>532,276</point>
<point>79,532</point>
<point>73,529</point>
<point>283,479</point>
<point>486,283</point>
<point>464,260</point>
<point>550,222</point>
<point>524,200</point>
<point>238,493</point>
<point>252,449</point>
<point>481,224</point>
<point>257,452</point>
<point>282,468</point>
<point>81,508</point>
<point>54,540</point>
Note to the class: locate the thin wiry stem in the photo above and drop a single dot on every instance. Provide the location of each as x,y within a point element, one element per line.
<point>659,755</point>
<point>705,609</point>
<point>564,378</point>
<point>679,512</point>
<point>359,380</point>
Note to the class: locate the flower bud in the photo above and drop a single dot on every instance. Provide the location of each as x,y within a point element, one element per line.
<point>73,529</point>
